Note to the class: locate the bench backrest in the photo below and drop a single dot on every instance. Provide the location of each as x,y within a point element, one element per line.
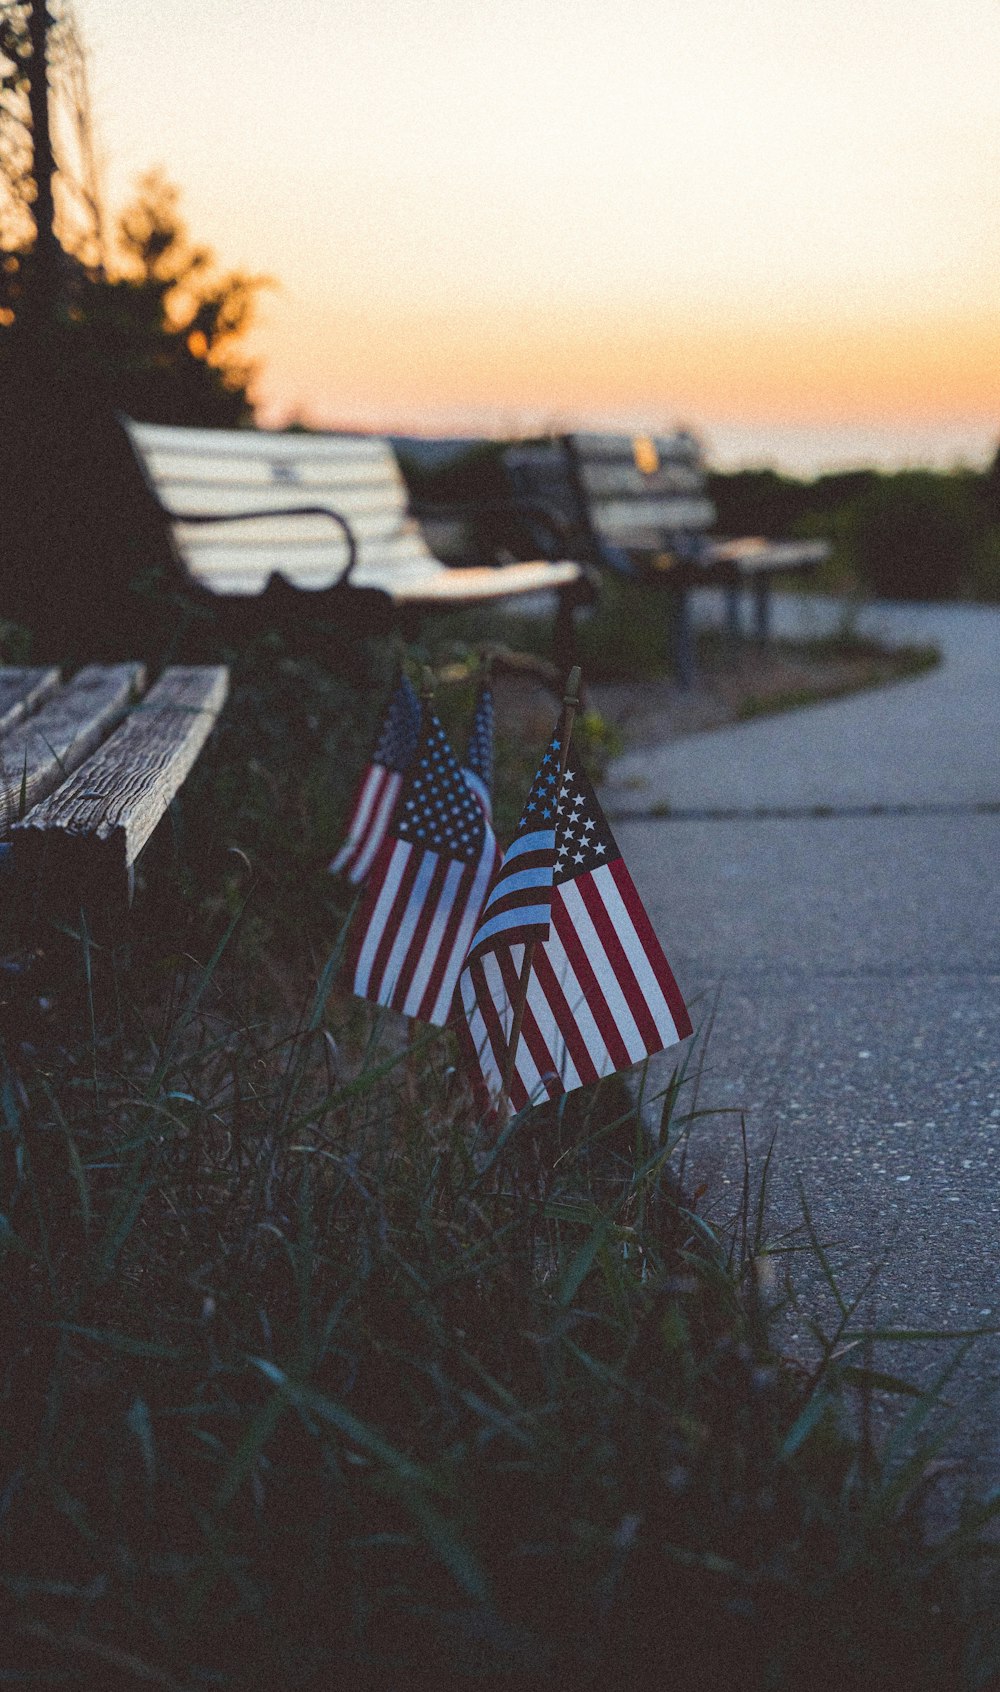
<point>628,495</point>
<point>194,471</point>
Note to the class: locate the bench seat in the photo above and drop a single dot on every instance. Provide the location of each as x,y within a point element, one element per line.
<point>638,506</point>
<point>89,769</point>
<point>314,512</point>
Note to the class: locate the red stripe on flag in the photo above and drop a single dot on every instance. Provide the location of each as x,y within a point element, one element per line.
<point>544,1062</point>
<point>652,948</point>
<point>428,910</point>
<point>445,948</point>
<point>589,983</point>
<point>619,961</point>
<point>359,931</point>
<point>497,1035</point>
<point>522,1086</point>
<point>390,927</point>
<point>564,1018</point>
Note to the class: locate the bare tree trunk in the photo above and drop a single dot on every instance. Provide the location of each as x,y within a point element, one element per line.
<point>43,294</point>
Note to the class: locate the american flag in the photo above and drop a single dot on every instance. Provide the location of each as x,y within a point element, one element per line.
<point>478,766</point>
<point>380,785</point>
<point>601,995</point>
<point>426,887</point>
<point>517,905</point>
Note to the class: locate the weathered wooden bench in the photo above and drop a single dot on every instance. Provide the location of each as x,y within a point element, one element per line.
<point>88,768</point>
<point>253,512</point>
<point>638,506</point>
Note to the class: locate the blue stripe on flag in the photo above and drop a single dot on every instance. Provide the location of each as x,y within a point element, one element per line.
<point>544,839</point>
<point>521,878</point>
<point>512,919</point>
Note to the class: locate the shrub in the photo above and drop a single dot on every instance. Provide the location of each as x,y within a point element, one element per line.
<point>917,535</point>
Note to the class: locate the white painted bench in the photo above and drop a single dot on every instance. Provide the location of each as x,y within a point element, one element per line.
<point>248,508</point>
<point>88,768</point>
<point>639,506</point>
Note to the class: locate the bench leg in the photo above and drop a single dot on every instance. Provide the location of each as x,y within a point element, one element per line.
<point>564,630</point>
<point>682,639</point>
<point>762,611</point>
<point>733,628</point>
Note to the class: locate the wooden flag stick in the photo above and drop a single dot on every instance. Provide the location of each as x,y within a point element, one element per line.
<point>571,701</point>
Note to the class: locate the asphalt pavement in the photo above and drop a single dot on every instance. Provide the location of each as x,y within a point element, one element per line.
<point>826,884</point>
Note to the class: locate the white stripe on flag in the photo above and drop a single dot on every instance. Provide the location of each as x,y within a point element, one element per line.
<point>650,988</point>
<point>407,928</point>
<point>579,1009</point>
<point>379,917</point>
<point>432,940</point>
<point>359,869</point>
<point>538,1004</point>
<point>601,965</point>
<point>579,1005</point>
<point>478,786</point>
<point>362,811</point>
<point>481,1042</point>
<point>526,1066</point>
<point>466,928</point>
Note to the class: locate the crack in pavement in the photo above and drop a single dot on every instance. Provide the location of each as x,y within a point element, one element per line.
<point>800,813</point>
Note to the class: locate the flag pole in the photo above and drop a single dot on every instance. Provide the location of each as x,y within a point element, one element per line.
<point>571,701</point>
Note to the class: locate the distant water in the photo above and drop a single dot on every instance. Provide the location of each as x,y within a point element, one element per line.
<point>798,449</point>
<point>804,450</point>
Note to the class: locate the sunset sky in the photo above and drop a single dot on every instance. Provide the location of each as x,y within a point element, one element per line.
<point>775,220</point>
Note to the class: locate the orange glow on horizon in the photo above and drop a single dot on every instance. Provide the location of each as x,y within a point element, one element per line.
<point>411,365</point>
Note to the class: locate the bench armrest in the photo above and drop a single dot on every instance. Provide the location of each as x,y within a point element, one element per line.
<point>280,511</point>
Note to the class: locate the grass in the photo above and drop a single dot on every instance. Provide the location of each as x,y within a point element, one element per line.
<point>867,666</point>
<point>307,1381</point>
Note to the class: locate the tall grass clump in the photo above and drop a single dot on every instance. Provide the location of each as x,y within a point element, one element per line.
<point>309,1380</point>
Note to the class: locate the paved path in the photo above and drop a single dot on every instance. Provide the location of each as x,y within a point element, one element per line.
<point>847,919</point>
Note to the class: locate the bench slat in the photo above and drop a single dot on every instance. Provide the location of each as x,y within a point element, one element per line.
<point>376,503</point>
<point>90,831</point>
<point>41,750</point>
<point>756,554</point>
<point>680,448</point>
<point>23,690</point>
<point>228,471</point>
<point>606,480</point>
<point>248,443</point>
<point>620,520</point>
<point>300,530</point>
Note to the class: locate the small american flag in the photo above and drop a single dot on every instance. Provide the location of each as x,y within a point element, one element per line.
<point>517,905</point>
<point>601,995</point>
<point>426,887</point>
<point>380,785</point>
<point>478,766</point>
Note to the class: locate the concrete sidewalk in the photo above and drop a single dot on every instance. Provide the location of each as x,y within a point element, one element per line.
<point>930,741</point>
<point>855,961</point>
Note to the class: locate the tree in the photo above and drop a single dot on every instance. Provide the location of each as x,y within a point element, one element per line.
<point>147,314</point>
<point>140,322</point>
<point>50,200</point>
<point>165,326</point>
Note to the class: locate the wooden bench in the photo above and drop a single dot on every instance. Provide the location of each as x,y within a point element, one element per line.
<point>638,506</point>
<point>253,512</point>
<point>88,768</point>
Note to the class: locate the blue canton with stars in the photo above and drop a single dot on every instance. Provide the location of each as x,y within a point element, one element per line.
<point>436,809</point>
<point>397,741</point>
<point>583,839</point>
<point>540,806</point>
<point>479,752</point>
